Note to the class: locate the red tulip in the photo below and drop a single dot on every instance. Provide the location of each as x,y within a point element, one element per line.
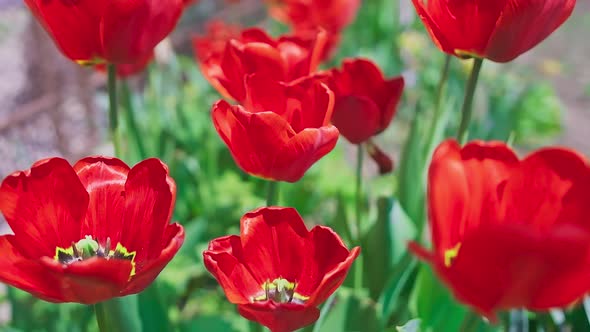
<point>365,101</point>
<point>91,32</point>
<point>365,104</point>
<point>129,69</point>
<point>332,15</point>
<point>306,17</point>
<point>285,59</point>
<point>276,271</point>
<point>509,233</point>
<point>498,30</point>
<point>282,130</point>
<point>90,232</point>
<point>212,43</point>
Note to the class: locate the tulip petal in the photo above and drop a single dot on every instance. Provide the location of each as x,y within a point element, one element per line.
<point>359,77</point>
<point>231,123</point>
<point>525,23</point>
<point>89,281</point>
<point>104,180</point>
<point>388,98</point>
<point>302,151</point>
<point>263,94</point>
<point>254,139</point>
<point>58,17</point>
<point>432,26</point>
<point>131,29</point>
<point>326,265</point>
<point>510,267</point>
<point>551,186</point>
<point>264,59</point>
<point>173,239</point>
<point>365,101</point>
<point>467,25</point>
<point>284,317</point>
<point>316,102</point>
<point>461,188</point>
<point>150,194</point>
<point>352,111</point>
<point>44,207</point>
<point>274,243</point>
<point>20,272</point>
<point>224,259</point>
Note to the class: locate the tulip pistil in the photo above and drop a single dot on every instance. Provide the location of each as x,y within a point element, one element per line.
<point>88,247</point>
<point>281,291</point>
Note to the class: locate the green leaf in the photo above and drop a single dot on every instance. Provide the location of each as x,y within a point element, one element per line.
<point>386,243</point>
<point>411,173</point>
<point>340,222</point>
<point>391,297</point>
<point>578,319</point>
<point>433,303</point>
<point>352,312</point>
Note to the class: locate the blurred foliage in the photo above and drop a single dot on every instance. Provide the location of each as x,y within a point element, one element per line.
<point>168,116</point>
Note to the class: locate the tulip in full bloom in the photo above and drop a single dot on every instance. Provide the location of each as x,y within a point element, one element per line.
<point>285,59</point>
<point>509,233</point>
<point>277,272</point>
<point>91,32</point>
<point>90,232</point>
<point>281,130</point>
<point>365,104</point>
<point>499,30</point>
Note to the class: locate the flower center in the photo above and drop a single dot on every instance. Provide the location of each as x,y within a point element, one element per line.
<point>281,291</point>
<point>88,247</point>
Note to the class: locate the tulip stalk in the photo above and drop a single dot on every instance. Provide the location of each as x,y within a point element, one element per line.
<point>467,108</point>
<point>444,75</point>
<point>115,315</point>
<point>358,266</point>
<point>130,119</point>
<point>272,194</point>
<point>113,106</point>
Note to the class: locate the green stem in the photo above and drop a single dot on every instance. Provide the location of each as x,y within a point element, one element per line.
<point>444,75</point>
<point>469,322</point>
<point>113,107</point>
<point>112,315</point>
<point>467,108</point>
<point>272,195</point>
<point>358,192</point>
<point>131,121</point>
<point>358,265</point>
